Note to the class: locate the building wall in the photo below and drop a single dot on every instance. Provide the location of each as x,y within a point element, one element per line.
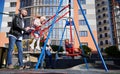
<point>10,7</point>
<point>3,39</point>
<point>104,24</point>
<point>47,8</point>
<point>117,21</point>
<point>89,6</point>
<point>7,18</point>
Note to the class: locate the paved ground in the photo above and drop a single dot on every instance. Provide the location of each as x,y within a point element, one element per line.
<point>58,71</point>
<point>80,69</point>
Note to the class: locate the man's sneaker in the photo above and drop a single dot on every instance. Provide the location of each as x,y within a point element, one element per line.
<point>10,66</point>
<point>22,67</point>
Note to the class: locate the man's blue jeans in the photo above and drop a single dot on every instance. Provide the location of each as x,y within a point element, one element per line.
<point>12,42</point>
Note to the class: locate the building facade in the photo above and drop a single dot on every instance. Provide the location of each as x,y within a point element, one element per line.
<point>10,7</point>
<point>116,9</point>
<point>47,8</point>
<point>84,34</point>
<point>104,30</point>
<point>106,23</point>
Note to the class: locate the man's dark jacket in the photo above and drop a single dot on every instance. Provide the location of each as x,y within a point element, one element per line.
<point>17,28</point>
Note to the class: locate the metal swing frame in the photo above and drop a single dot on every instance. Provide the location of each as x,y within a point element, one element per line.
<point>41,57</point>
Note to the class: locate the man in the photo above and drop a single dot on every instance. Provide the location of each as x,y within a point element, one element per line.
<point>15,37</point>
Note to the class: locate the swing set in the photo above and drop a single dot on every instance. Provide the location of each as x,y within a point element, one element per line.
<point>70,23</point>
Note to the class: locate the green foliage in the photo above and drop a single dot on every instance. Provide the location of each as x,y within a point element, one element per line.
<point>112,51</point>
<point>86,49</point>
<point>56,47</point>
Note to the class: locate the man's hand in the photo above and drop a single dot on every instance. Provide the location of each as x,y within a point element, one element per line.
<point>27,28</point>
<point>32,28</point>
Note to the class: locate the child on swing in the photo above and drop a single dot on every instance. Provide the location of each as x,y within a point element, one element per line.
<point>38,22</point>
<point>70,48</point>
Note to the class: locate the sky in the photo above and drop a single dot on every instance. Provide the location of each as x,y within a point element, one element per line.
<point>1,10</point>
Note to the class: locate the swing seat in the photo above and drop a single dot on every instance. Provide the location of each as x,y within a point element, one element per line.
<point>71,52</point>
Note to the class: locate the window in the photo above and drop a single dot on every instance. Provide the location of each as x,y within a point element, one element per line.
<point>106,35</point>
<point>29,11</point>
<point>79,11</point>
<point>11,14</point>
<point>54,1</point>
<point>100,29</point>
<point>103,8</point>
<point>105,28</point>
<point>83,1</point>
<point>12,4</point>
<point>98,11</point>
<point>103,2</point>
<point>83,33</point>
<point>85,43</point>
<point>51,11</point>
<point>101,36</point>
<point>99,23</point>
<point>99,17</point>
<point>9,24</point>
<point>51,2</point>
<point>104,15</point>
<point>105,21</point>
<point>82,22</point>
<point>101,42</point>
<point>106,41</point>
<point>54,10</point>
<point>47,10</point>
<point>98,4</point>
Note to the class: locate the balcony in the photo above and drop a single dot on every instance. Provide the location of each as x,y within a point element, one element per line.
<point>101,17</point>
<point>104,37</point>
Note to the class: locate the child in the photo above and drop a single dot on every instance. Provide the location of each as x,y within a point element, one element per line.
<point>38,22</point>
<point>69,46</point>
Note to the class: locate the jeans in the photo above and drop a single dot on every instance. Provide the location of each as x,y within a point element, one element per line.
<point>12,42</point>
<point>48,53</point>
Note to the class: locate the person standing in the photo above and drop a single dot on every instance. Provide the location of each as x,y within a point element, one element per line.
<point>48,51</point>
<point>15,37</point>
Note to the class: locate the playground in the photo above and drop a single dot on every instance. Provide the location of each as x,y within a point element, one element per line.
<point>71,61</point>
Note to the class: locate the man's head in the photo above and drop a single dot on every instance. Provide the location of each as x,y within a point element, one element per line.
<point>23,12</point>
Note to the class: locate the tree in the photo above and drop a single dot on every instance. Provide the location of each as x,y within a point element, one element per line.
<point>86,49</point>
<point>112,51</point>
<point>56,47</point>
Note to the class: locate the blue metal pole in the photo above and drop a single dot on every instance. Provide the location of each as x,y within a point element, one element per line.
<point>2,2</point>
<point>51,29</point>
<point>60,42</point>
<point>98,49</point>
<point>42,60</point>
<point>80,45</point>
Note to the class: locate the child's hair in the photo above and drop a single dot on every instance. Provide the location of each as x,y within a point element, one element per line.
<point>66,40</point>
<point>43,17</point>
<point>38,16</point>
